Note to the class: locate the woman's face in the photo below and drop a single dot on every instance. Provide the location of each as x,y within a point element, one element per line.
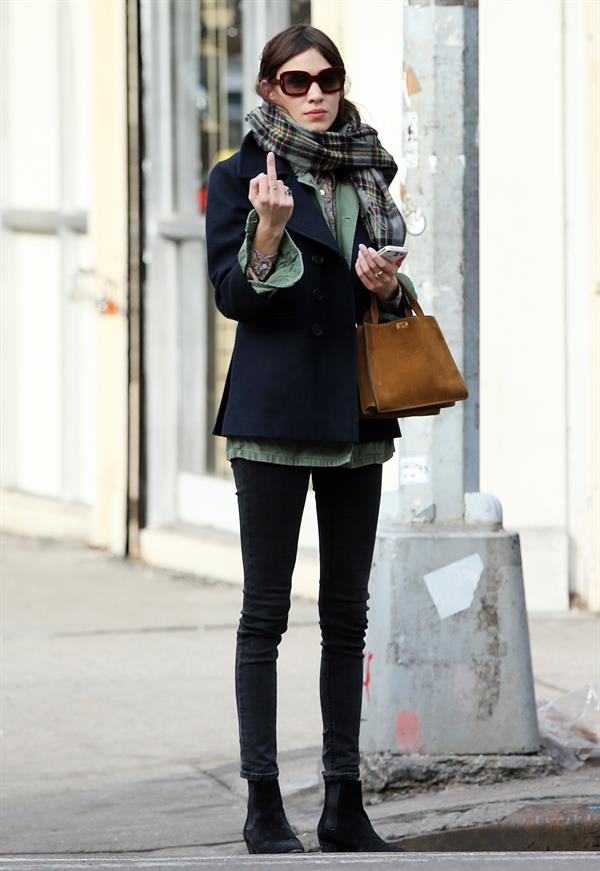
<point>314,110</point>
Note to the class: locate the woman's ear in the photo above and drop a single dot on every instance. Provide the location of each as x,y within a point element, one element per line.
<point>265,89</point>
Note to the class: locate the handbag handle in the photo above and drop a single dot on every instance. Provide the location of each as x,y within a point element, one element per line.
<point>407,298</point>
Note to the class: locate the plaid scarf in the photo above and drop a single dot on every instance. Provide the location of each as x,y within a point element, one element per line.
<point>355,148</point>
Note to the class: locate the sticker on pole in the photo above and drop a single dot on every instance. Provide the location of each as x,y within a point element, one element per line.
<point>453,586</point>
<point>414,470</point>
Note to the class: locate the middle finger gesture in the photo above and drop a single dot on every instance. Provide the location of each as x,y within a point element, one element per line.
<point>270,197</point>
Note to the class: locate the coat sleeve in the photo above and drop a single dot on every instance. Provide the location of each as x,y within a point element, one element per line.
<point>227,209</point>
<point>288,268</point>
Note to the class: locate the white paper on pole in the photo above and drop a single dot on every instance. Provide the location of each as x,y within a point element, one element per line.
<point>453,586</point>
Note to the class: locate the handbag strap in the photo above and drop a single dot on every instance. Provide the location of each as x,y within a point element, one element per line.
<point>372,313</point>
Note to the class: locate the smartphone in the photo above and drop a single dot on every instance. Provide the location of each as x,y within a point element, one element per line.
<point>392,253</point>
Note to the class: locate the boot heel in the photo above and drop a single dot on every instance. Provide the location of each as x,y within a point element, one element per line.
<point>250,847</point>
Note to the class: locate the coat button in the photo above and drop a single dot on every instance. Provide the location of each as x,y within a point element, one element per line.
<point>317,258</point>
<point>318,294</point>
<point>317,330</point>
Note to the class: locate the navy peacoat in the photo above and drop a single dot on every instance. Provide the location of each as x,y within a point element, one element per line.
<point>293,369</point>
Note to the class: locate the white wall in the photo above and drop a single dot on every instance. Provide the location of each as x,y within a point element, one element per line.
<point>33,286</point>
<point>33,89</point>
<point>48,361</point>
<point>109,221</point>
<point>535,361</point>
<point>581,94</point>
<point>522,261</point>
<point>592,593</point>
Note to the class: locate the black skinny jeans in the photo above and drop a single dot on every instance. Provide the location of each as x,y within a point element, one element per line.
<point>271,501</point>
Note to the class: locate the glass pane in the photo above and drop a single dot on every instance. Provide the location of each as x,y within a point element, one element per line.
<point>219,97</point>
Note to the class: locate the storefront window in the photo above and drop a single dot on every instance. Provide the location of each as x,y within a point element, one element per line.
<point>219,95</point>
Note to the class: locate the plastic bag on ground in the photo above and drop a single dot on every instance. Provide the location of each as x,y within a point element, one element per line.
<point>570,726</point>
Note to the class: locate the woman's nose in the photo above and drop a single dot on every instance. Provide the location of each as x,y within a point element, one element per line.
<point>315,92</point>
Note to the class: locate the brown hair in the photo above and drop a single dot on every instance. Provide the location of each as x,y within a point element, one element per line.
<point>295,40</point>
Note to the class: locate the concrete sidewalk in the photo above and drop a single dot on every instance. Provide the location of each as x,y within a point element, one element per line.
<point>120,733</point>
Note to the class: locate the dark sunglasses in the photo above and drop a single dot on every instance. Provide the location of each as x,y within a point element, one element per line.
<point>296,83</point>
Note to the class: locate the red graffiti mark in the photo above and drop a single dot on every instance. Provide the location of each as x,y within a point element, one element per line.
<point>367,680</point>
<point>407,729</point>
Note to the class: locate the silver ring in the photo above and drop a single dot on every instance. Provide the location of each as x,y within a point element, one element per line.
<point>288,192</point>
<point>377,274</point>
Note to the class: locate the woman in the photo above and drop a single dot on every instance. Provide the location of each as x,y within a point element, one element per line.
<point>293,223</point>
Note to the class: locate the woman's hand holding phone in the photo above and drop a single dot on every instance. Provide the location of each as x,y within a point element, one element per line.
<point>377,273</point>
<point>274,205</point>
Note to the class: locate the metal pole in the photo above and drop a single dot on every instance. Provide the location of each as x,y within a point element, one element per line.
<point>441,151</point>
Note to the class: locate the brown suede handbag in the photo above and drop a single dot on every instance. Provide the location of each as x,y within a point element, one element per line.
<point>405,368</point>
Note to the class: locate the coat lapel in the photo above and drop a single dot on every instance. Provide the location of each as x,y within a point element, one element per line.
<point>306,218</point>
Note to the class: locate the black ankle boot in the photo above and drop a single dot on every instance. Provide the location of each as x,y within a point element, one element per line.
<point>344,826</point>
<point>266,829</point>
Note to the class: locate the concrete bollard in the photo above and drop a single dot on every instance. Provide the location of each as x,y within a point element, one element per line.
<point>447,660</point>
